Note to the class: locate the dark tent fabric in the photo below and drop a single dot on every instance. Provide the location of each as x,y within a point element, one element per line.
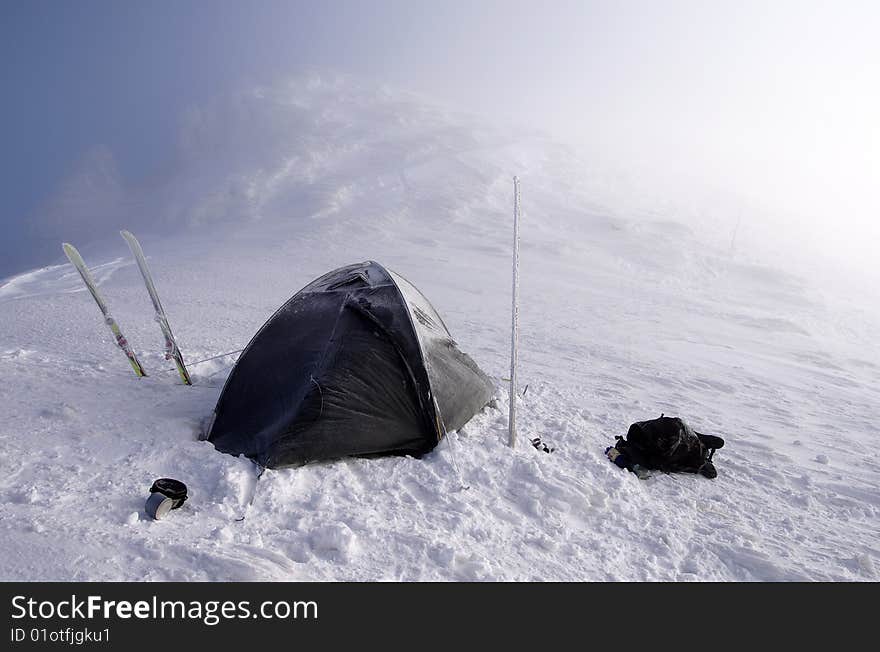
<point>356,363</point>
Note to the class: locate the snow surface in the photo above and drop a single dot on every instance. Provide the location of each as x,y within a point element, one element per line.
<point>626,312</point>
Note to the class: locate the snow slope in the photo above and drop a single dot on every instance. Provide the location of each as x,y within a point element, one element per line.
<point>627,311</point>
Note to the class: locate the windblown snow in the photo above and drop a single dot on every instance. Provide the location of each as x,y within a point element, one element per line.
<point>627,310</point>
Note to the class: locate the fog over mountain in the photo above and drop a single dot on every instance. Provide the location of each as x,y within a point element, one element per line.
<point>750,118</point>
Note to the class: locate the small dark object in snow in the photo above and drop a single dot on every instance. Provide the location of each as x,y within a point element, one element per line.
<point>541,446</point>
<point>165,494</point>
<point>666,444</point>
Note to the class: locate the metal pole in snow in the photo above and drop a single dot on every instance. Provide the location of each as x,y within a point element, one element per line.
<point>514,315</point>
<point>736,230</point>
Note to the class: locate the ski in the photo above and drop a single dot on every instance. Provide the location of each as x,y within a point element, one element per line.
<point>172,352</point>
<point>77,261</point>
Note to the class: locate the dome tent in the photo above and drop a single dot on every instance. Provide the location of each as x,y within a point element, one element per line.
<point>358,362</point>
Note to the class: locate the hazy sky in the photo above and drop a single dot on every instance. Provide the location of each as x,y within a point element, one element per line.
<point>775,100</point>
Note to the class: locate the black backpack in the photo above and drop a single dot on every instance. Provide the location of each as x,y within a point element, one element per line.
<point>669,444</point>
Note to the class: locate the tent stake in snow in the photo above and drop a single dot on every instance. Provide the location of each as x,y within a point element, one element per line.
<point>514,315</point>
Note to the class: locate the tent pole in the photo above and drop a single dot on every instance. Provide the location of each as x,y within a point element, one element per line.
<point>514,316</point>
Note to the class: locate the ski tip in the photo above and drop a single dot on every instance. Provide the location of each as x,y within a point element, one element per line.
<point>131,241</point>
<point>129,237</point>
<point>70,251</point>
